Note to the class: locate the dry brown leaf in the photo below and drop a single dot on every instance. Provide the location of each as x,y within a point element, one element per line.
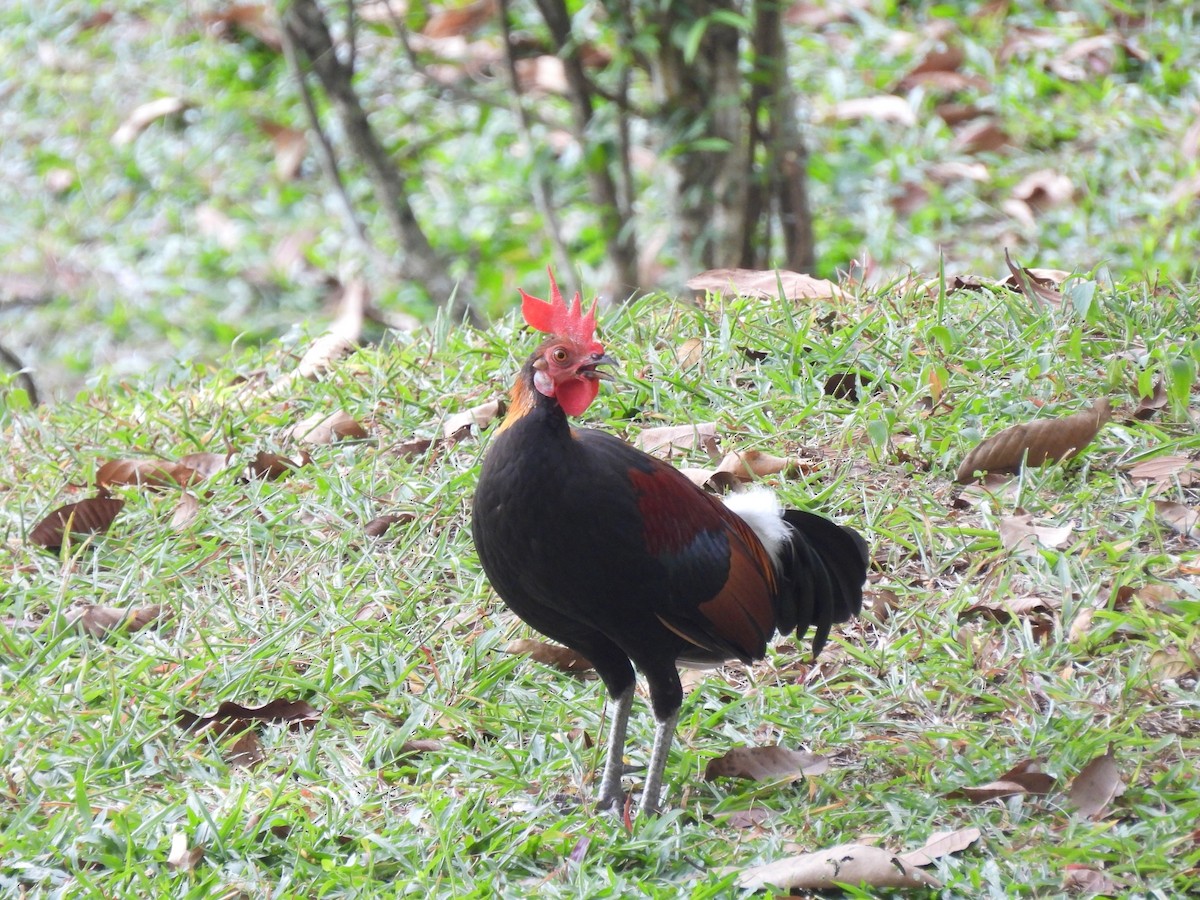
<point>246,751</point>
<point>379,526</point>
<point>1010,608</point>
<point>145,115</point>
<point>765,283</point>
<point>153,473</point>
<point>412,447</point>
<point>419,746</point>
<point>1035,443</point>
<point>1044,189</point>
<point>258,20</point>
<point>291,146</point>
<point>748,818</point>
<point>880,108</point>
<point>232,717</point>
<point>749,465</point>
<point>1026,777</point>
<point>272,466</point>
<point>457,21</point>
<point>326,429</point>
<point>554,655</point>
<point>186,510</point>
<point>688,354</point>
<point>1096,786</point>
<point>181,858</point>
<point>101,621</point>
<point>942,843</point>
<point>954,170</point>
<point>1154,402</point>
<point>1039,285</point>
<point>1018,534</point>
<point>671,440</point>
<point>1167,469</point>
<point>769,763</point>
<point>845,385</point>
<point>458,426</point>
<point>1180,517</point>
<point>852,864</point>
<point>92,516</point>
<point>711,479</point>
<point>1081,625</point>
<point>207,464</point>
<point>1080,879</point>
<point>980,137</point>
<point>1171,665</point>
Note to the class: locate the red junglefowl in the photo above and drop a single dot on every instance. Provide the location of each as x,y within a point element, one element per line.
<point>620,557</point>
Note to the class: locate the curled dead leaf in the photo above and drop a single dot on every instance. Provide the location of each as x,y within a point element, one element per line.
<point>689,353</point>
<point>320,428</point>
<point>181,857</point>
<point>152,473</point>
<point>748,465</point>
<point>207,464</point>
<point>852,864</point>
<point>458,426</point>
<point>246,751</point>
<point>768,763</point>
<point>980,136</point>
<point>379,526</point>
<point>1026,777</point>
<point>555,655</point>
<point>1167,469</point>
<point>272,466</point>
<point>91,516</point>
<point>186,510</point>
<point>765,283</point>
<point>670,440</point>
<point>1080,879</point>
<point>880,108</point>
<point>942,843</point>
<point>1039,285</point>
<point>845,385</point>
<point>1035,443</point>
<point>144,115</point>
<point>712,480</point>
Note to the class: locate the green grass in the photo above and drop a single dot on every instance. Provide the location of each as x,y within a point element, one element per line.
<point>275,592</point>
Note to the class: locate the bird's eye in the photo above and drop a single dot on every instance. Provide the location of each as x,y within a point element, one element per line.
<point>559,354</point>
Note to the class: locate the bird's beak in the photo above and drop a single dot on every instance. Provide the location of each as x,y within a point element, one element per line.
<point>589,370</point>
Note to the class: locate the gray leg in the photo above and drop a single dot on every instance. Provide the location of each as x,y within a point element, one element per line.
<point>611,795</point>
<point>664,734</point>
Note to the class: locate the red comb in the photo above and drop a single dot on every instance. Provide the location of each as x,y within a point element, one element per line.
<point>559,319</point>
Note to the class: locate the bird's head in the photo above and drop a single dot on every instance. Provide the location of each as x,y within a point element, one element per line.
<point>565,366</point>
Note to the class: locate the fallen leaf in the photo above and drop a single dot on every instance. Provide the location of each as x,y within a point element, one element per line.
<point>101,621</point>
<point>1171,665</point>
<point>260,21</point>
<point>880,108</point>
<point>92,516</point>
<point>953,170</point>
<point>748,818</point>
<point>418,746</point>
<point>1043,189</point>
<point>458,426</point>
<point>272,466</point>
<point>979,137</point>
<point>1026,777</point>
<point>1009,608</point>
<point>143,116</point>
<point>379,526</point>
<point>291,146</point>
<point>845,864</point>
<point>1180,517</point>
<point>1035,443</point>
<point>748,465</point>
<point>153,473</point>
<point>326,429</point>
<point>218,225</point>
<point>768,763</point>
<point>1080,879</point>
<point>942,843</point>
<point>207,464</point>
<point>688,353</point>
<point>554,655</point>
<point>1167,469</point>
<point>246,752</point>
<point>1018,534</point>
<point>1041,290</point>
<point>1096,786</point>
<point>412,447</point>
<point>765,284</point>
<point>667,441</point>
<point>1154,402</point>
<point>186,510</point>
<point>232,717</point>
<point>845,385</point>
<point>181,858</point>
<point>711,479</point>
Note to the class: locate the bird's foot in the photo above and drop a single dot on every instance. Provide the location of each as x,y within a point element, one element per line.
<point>611,801</point>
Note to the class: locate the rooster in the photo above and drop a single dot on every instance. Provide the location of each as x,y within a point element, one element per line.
<point>617,555</point>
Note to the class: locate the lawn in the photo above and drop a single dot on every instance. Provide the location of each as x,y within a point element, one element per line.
<point>408,752</point>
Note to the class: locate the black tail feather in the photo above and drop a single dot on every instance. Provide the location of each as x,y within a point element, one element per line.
<point>823,576</point>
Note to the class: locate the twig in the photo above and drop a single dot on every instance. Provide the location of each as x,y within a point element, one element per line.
<point>306,25</point>
<point>540,185</point>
